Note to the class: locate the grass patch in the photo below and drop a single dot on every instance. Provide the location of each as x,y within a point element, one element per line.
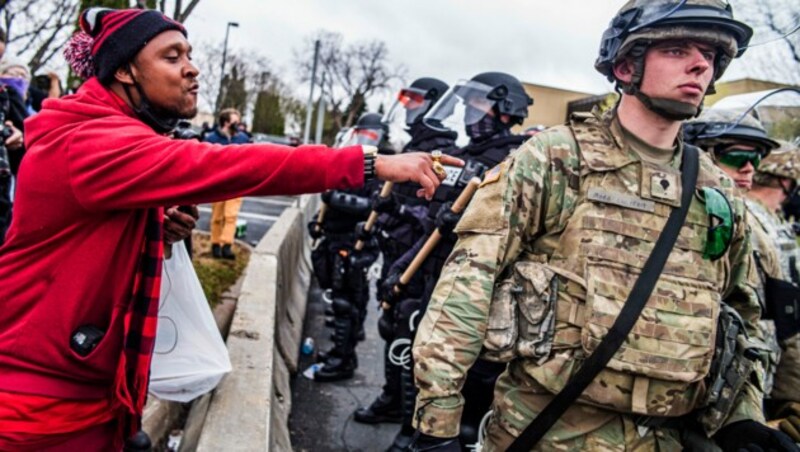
<point>216,275</point>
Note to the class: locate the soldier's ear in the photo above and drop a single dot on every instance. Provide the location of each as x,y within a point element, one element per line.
<point>623,70</point>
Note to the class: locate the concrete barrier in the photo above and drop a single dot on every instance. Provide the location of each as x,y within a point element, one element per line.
<point>249,410</point>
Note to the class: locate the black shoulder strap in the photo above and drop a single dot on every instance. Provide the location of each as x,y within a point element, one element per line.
<point>627,317</point>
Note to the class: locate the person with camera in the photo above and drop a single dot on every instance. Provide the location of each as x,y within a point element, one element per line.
<point>223,213</point>
<point>82,260</point>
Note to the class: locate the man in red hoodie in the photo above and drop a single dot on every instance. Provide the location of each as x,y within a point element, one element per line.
<point>82,261</point>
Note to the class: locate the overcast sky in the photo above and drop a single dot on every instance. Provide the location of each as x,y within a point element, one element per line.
<point>549,42</point>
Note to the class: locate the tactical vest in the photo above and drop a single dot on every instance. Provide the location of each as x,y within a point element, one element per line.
<point>782,236</point>
<point>611,220</point>
<point>772,232</point>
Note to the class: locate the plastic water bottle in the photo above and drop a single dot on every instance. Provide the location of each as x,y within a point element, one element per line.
<point>308,346</point>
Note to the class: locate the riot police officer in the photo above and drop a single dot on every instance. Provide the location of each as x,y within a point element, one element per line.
<point>341,268</point>
<point>487,106</point>
<point>400,222</point>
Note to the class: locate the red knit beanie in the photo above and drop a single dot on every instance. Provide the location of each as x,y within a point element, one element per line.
<point>110,38</point>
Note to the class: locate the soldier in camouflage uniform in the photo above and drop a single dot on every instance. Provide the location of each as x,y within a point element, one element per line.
<point>737,142</point>
<point>739,145</point>
<point>774,183</point>
<point>554,239</point>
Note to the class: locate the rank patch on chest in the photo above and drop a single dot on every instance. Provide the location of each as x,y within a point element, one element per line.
<point>664,186</point>
<point>661,185</point>
<point>620,199</point>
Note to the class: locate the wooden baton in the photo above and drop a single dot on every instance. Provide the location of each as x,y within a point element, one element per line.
<point>458,206</point>
<point>373,216</point>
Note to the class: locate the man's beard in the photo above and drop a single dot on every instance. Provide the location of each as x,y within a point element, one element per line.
<point>174,112</point>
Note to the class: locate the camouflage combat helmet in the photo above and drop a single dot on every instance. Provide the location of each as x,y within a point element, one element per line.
<point>716,126</point>
<point>639,23</point>
<point>781,163</point>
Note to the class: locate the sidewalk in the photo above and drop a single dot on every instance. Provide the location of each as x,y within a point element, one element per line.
<point>322,413</point>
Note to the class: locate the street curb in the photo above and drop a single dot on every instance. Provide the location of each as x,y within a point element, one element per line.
<point>249,410</point>
<point>159,414</point>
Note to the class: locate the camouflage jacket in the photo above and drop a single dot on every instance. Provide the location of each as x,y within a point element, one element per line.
<point>522,212</point>
<point>774,244</point>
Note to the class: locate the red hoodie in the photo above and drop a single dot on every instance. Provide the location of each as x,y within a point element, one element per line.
<point>69,260</point>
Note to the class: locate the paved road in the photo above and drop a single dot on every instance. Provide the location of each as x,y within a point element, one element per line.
<point>260,213</point>
<point>322,413</point>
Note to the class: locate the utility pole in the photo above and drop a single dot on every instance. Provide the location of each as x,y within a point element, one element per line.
<point>320,110</point>
<point>310,104</point>
<point>224,57</point>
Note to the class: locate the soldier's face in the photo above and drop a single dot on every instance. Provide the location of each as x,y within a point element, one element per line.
<point>680,70</point>
<point>743,175</point>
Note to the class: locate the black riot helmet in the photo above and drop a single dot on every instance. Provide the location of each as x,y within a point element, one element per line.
<point>640,23</point>
<point>368,130</point>
<point>410,106</point>
<point>470,101</point>
<point>415,100</point>
<point>508,93</point>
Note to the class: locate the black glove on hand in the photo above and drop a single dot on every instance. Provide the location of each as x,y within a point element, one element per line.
<point>362,234</point>
<point>326,196</point>
<point>425,443</point>
<point>753,436</point>
<point>446,219</point>
<point>386,205</point>
<point>387,292</point>
<point>315,230</point>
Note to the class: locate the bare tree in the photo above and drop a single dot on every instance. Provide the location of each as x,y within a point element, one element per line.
<point>180,9</point>
<point>38,29</point>
<point>253,68</point>
<point>353,73</point>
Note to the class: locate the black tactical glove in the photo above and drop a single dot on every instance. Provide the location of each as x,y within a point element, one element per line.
<point>139,442</point>
<point>363,259</point>
<point>326,196</point>
<point>315,230</point>
<point>386,291</point>
<point>446,219</point>
<point>362,234</point>
<point>425,443</point>
<point>753,436</point>
<point>386,205</point>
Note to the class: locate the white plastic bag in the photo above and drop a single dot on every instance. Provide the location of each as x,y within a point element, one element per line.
<point>190,357</point>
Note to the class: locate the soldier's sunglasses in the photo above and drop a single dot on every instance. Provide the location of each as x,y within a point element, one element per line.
<point>739,158</point>
<point>720,228</point>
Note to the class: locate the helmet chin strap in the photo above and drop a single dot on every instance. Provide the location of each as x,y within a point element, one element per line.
<point>147,113</point>
<point>667,108</point>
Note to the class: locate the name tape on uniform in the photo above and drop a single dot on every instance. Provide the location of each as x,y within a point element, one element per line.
<point>621,199</point>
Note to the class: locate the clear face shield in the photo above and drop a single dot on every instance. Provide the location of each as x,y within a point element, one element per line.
<point>408,108</point>
<point>463,105</point>
<point>357,136</point>
<point>342,135</point>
